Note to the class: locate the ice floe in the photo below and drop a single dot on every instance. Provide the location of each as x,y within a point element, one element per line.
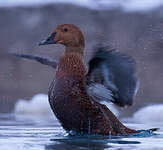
<point>126,5</point>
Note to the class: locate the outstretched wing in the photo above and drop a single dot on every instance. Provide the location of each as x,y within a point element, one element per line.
<point>42,60</point>
<point>111,77</point>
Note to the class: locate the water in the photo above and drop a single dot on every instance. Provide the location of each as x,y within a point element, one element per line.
<point>18,133</point>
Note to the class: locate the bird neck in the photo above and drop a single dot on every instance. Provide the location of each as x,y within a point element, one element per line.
<point>79,50</point>
<point>71,64</point>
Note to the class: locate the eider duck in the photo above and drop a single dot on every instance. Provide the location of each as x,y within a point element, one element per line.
<point>76,92</point>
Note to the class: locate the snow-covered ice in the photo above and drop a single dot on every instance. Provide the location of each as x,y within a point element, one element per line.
<point>126,5</point>
<point>38,108</point>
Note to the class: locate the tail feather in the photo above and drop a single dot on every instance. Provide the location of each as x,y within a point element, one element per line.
<point>154,129</point>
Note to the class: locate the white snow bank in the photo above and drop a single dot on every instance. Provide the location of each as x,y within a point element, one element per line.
<point>141,5</point>
<point>150,114</point>
<point>126,5</point>
<point>36,109</point>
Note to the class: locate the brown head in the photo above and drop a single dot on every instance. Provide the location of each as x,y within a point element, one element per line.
<point>68,35</point>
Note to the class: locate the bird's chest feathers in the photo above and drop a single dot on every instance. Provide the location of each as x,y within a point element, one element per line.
<point>66,87</point>
<point>68,83</point>
<point>70,65</point>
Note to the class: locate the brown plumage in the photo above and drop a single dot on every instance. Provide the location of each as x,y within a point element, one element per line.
<point>73,106</point>
<point>75,92</point>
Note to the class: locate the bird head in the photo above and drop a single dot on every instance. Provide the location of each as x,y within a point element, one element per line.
<point>68,35</point>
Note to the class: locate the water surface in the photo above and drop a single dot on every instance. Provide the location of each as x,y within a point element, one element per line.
<point>23,134</point>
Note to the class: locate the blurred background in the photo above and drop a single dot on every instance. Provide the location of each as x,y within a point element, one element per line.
<point>134,27</point>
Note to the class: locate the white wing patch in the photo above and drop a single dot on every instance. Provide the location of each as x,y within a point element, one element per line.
<point>99,92</point>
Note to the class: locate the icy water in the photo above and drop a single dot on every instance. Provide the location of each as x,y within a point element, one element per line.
<point>26,134</point>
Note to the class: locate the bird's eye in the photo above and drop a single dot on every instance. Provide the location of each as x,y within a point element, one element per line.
<point>65,29</point>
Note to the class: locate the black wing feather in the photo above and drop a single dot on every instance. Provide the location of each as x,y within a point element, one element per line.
<point>116,72</point>
<point>42,60</point>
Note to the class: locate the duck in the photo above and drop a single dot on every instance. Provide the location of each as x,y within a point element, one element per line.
<point>76,92</point>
